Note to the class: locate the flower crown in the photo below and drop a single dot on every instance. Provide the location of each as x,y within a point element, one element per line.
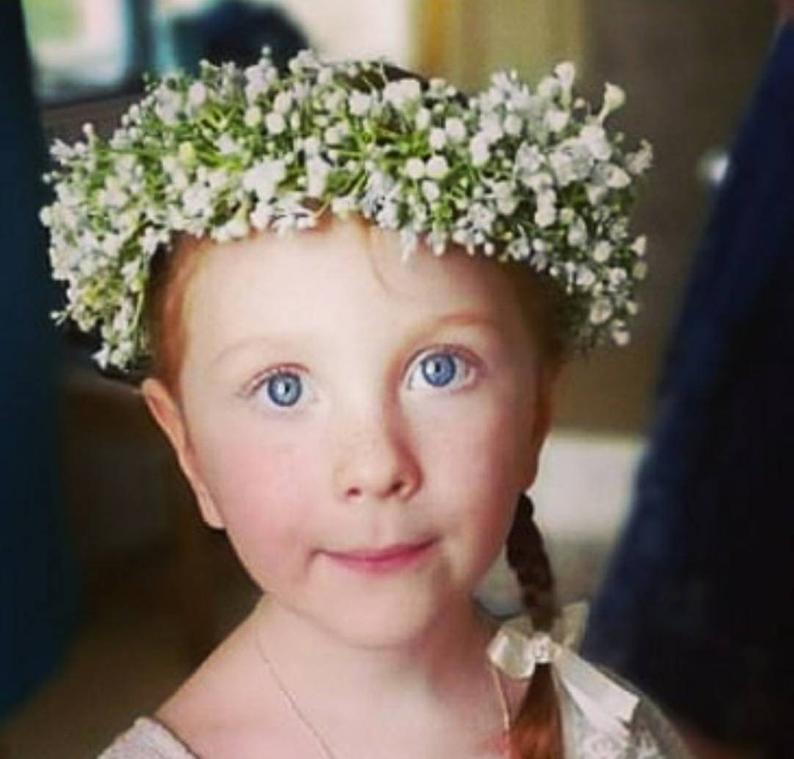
<point>511,173</point>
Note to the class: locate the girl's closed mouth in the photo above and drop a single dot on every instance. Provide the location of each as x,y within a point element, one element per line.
<point>380,560</point>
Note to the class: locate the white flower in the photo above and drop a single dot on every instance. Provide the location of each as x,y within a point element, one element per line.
<point>577,234</point>
<point>402,93</point>
<point>282,102</point>
<point>542,184</point>
<point>455,129</point>
<point>236,227</point>
<point>261,215</point>
<point>617,277</point>
<point>431,190</point>
<point>415,168</point>
<point>263,178</point>
<point>602,251</point>
<point>150,240</point>
<point>617,178</point>
<point>275,123</point>
<point>529,160</point>
<point>317,170</point>
<point>196,200</point>
<point>253,116</point>
<point>197,94</point>
<point>258,79</point>
<point>482,217</point>
<point>437,167</point>
<point>549,87</point>
<point>438,138</point>
<point>114,194</point>
<point>563,166</point>
<point>595,139</point>
<point>546,213</point>
<point>169,105</point>
<point>614,98</point>
<point>311,145</point>
<point>513,124</point>
<point>566,73</point>
<point>620,335</point>
<point>343,206</point>
<point>556,120</point>
<point>506,200</point>
<point>479,148</point>
<point>640,270</point>
<point>226,144</point>
<point>360,103</point>
<point>334,135</point>
<point>423,119</point>
<point>640,161</point>
<point>491,127</point>
<point>600,311</point>
<point>596,192</point>
<point>640,245</point>
<point>585,277</point>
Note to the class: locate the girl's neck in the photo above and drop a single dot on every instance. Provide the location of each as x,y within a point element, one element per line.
<point>441,665</point>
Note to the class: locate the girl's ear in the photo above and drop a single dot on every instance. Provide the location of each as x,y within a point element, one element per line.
<point>168,416</point>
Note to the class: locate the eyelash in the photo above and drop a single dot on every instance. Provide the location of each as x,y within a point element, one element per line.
<point>472,365</point>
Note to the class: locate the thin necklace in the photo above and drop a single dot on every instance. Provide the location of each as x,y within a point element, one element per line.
<point>322,744</point>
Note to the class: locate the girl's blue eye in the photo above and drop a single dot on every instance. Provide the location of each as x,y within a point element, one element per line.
<point>283,388</point>
<point>438,369</point>
<point>442,369</point>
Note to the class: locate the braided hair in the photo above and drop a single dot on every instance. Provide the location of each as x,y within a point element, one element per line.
<point>537,728</point>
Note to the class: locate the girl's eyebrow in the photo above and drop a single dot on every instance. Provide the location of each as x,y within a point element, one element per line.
<point>460,319</point>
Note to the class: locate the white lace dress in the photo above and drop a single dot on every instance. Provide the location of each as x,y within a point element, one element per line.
<point>650,736</point>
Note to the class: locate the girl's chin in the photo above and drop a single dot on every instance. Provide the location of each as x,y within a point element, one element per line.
<point>396,624</point>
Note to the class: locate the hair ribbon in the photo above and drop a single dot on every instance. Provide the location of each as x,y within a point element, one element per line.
<point>517,648</point>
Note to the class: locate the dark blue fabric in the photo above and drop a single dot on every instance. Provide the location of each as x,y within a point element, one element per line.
<point>37,576</point>
<point>698,604</point>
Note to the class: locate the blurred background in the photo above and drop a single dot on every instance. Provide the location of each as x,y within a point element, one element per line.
<point>154,590</point>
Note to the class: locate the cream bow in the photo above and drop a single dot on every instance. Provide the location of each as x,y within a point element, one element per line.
<point>517,648</point>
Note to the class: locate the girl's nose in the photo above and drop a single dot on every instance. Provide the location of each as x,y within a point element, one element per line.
<point>375,461</point>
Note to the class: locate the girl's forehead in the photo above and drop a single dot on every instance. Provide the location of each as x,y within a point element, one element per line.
<point>339,274</point>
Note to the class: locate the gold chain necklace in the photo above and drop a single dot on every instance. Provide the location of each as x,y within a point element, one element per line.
<point>322,744</point>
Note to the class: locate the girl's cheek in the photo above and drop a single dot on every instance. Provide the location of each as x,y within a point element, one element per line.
<point>258,484</point>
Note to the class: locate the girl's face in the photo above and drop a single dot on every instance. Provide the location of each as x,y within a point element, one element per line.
<point>361,427</point>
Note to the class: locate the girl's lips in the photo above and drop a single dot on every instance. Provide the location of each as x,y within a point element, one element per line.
<point>388,559</point>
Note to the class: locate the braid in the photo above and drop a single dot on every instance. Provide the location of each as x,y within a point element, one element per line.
<point>537,729</point>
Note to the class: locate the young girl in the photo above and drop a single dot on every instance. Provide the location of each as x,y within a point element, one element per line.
<point>361,414</point>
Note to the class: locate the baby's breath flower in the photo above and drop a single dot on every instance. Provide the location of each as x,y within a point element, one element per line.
<point>640,161</point>
<point>513,125</point>
<point>415,168</point>
<point>510,173</point>
<point>253,116</point>
<point>197,94</point>
<point>640,245</point>
<point>275,123</point>
<point>437,167</point>
<point>431,190</point>
<point>480,150</point>
<point>455,129</point>
<point>601,311</point>
<point>602,251</point>
<point>423,119</point>
<point>438,138</point>
<point>360,103</point>
<point>614,99</point>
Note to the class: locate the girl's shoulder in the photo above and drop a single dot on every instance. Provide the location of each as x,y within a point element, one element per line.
<point>148,738</point>
<point>648,735</point>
